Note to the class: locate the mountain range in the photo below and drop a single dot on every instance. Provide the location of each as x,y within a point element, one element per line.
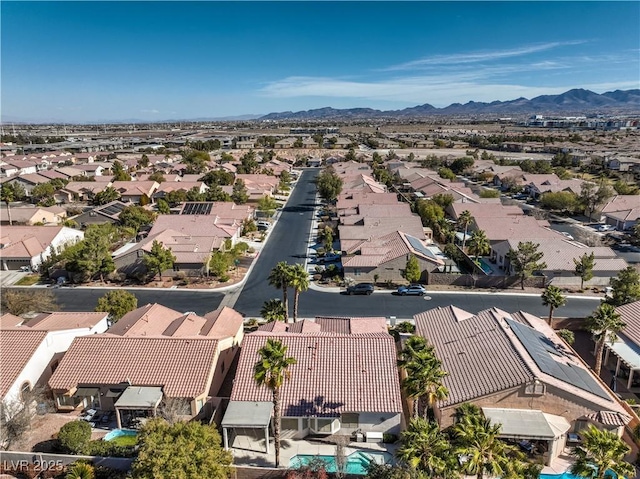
<point>575,102</point>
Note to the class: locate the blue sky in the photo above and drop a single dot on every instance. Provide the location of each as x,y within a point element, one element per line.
<point>101,61</point>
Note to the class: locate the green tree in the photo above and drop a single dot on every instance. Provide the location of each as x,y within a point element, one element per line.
<point>93,256</point>
<point>163,207</point>
<point>329,184</point>
<point>412,271</point>
<point>273,310</point>
<point>105,196</point>
<point>479,244</point>
<point>592,196</point>
<point>240,193</point>
<point>267,205</point>
<point>567,336</point>
<point>136,217</point>
<point>144,161</point>
<point>42,192</point>
<point>424,447</point>
<point>326,237</point>
<point>525,260</point>
<point>119,172</point>
<point>81,470</point>
<point>21,301</point>
<point>158,177</point>
<point>459,165</point>
<point>8,196</point>
<point>248,163</point>
<point>584,267</point>
<point>117,303</point>
<point>447,174</point>
<point>601,451</point>
<point>159,258</point>
<point>443,199</point>
<point>175,197</point>
<point>552,296</point>
<point>430,212</point>
<point>218,177</point>
<point>489,193</point>
<point>299,280</point>
<point>74,436</point>
<point>197,161</point>
<point>219,265</point>
<point>603,324</point>
<point>560,201</point>
<point>624,188</point>
<point>280,277</point>
<point>272,370</point>
<point>625,287</point>
<point>479,441</point>
<point>216,193</point>
<point>185,450</point>
<point>464,220</point>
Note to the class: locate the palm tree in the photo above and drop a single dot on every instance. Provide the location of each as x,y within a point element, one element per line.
<point>479,244</point>
<point>272,370</point>
<point>273,310</point>
<point>601,451</point>
<point>552,296</point>
<point>604,323</point>
<point>464,220</point>
<point>300,282</point>
<point>7,194</point>
<point>425,448</point>
<point>479,442</point>
<point>81,470</point>
<point>280,277</point>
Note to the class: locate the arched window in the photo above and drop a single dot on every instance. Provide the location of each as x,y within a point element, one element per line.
<point>25,389</point>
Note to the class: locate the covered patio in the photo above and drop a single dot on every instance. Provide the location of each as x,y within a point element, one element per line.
<point>137,402</point>
<point>525,425</point>
<point>247,418</point>
<point>627,362</point>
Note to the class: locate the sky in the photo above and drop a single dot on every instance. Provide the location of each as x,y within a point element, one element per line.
<point>155,61</point>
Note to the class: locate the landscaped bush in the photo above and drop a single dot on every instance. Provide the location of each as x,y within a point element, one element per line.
<point>74,436</point>
<point>108,449</point>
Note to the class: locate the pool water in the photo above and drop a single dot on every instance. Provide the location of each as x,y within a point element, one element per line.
<point>357,462</point>
<point>568,475</point>
<point>485,266</point>
<point>119,433</point>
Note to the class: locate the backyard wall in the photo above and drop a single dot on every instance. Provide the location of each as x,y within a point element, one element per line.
<point>478,281</point>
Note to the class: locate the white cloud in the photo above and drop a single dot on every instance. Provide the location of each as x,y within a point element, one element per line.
<point>155,112</point>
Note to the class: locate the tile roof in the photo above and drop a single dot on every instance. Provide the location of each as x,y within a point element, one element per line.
<point>334,374</point>
<point>196,225</point>
<point>17,346</point>
<point>149,320</point>
<point>622,203</point>
<point>387,248</point>
<point>8,320</point>
<point>58,321</point>
<point>609,418</point>
<point>630,315</point>
<point>26,241</point>
<point>523,228</point>
<point>223,322</point>
<point>485,210</point>
<point>182,366</point>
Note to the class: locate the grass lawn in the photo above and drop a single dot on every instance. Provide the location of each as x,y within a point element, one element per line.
<point>125,440</point>
<point>28,280</point>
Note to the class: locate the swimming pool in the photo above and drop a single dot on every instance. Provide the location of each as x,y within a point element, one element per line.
<point>357,462</point>
<point>568,475</point>
<point>119,433</point>
<point>485,266</point>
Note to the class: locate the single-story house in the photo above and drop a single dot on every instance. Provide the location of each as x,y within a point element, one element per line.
<point>133,191</point>
<point>622,211</point>
<point>30,245</point>
<point>167,187</point>
<point>319,397</point>
<point>107,213</point>
<point>531,382</point>
<point>30,215</point>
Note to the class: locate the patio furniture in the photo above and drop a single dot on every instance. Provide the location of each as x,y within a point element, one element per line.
<point>526,446</point>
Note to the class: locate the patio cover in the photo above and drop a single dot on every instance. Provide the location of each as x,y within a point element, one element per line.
<point>138,397</point>
<point>86,392</point>
<point>255,414</point>
<point>527,424</point>
<point>628,355</point>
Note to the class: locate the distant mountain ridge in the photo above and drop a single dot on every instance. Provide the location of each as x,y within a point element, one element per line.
<point>577,101</point>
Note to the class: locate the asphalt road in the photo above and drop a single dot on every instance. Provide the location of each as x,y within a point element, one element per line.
<point>288,242</point>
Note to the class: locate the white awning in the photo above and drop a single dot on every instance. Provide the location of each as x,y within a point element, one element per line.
<point>527,423</point>
<point>256,414</point>
<point>625,352</point>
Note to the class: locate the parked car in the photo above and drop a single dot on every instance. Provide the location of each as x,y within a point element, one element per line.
<point>602,228</point>
<point>360,288</point>
<point>329,258</point>
<point>263,225</point>
<point>567,235</point>
<point>413,289</point>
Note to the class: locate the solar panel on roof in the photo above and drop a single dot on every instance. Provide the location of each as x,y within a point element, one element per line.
<point>113,210</point>
<point>196,209</point>
<point>538,347</point>
<point>417,245</point>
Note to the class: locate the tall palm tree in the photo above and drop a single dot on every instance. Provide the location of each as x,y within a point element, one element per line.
<point>601,451</point>
<point>479,244</point>
<point>412,347</point>
<point>272,370</point>
<point>273,310</point>
<point>464,220</point>
<point>300,281</point>
<point>425,447</point>
<point>7,194</point>
<point>552,296</point>
<point>280,277</point>
<point>479,442</point>
<point>604,324</point>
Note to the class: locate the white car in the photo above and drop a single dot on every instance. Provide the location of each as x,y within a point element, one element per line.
<point>263,225</point>
<point>602,228</point>
<point>567,235</point>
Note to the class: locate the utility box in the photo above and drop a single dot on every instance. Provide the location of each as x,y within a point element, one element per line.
<point>373,436</point>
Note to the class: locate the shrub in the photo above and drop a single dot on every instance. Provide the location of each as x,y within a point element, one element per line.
<point>75,436</point>
<point>389,438</point>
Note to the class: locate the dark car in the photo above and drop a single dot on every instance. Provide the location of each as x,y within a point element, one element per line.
<point>360,288</point>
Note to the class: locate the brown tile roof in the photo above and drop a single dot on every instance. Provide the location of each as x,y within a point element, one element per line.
<point>484,210</point>
<point>196,225</point>
<point>182,366</point>
<point>609,418</point>
<point>474,350</point>
<point>17,346</point>
<point>523,228</point>
<point>9,320</point>
<point>333,374</point>
<point>221,323</point>
<point>630,315</point>
<point>26,241</point>
<point>382,250</point>
<point>59,321</point>
<point>622,203</point>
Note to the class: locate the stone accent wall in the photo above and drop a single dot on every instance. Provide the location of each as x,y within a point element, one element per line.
<point>478,281</point>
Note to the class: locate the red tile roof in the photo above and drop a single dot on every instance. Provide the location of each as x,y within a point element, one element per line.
<point>630,315</point>
<point>182,366</point>
<point>17,346</point>
<point>333,374</point>
<point>62,320</point>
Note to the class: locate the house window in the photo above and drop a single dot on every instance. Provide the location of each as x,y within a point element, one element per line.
<point>140,254</point>
<point>350,420</point>
<point>289,423</point>
<point>324,425</point>
<point>356,272</point>
<point>67,401</point>
<point>199,405</point>
<point>24,390</point>
<point>535,388</point>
